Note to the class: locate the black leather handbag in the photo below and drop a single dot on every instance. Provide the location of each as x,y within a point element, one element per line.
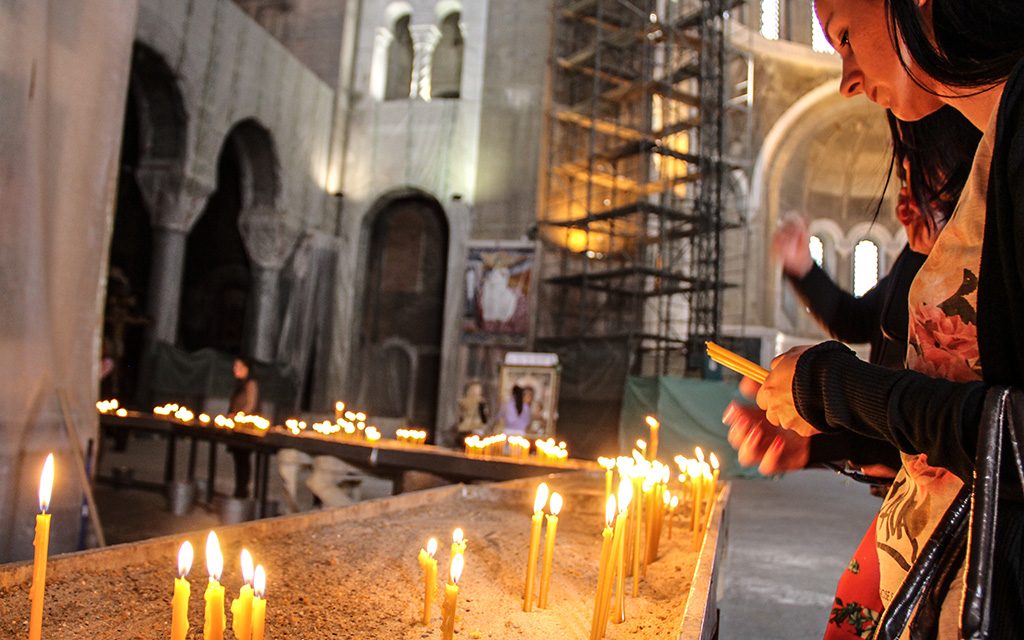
<point>968,526</point>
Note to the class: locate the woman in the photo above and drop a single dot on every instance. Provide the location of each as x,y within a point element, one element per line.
<point>967,302</point>
<point>245,398</point>
<point>515,415</point>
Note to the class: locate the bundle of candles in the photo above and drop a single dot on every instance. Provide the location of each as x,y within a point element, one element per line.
<point>411,436</point>
<point>428,564</point>
<point>248,610</point>
<point>493,445</point>
<point>173,410</point>
<point>111,406</point>
<point>515,446</point>
<point>736,362</point>
<point>550,451</point>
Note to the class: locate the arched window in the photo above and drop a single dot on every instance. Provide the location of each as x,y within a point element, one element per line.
<point>865,267</point>
<point>770,19</point>
<point>446,64</point>
<point>818,40</point>
<point>817,249</point>
<point>400,58</point>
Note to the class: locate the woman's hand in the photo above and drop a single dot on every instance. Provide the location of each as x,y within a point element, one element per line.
<point>760,444</point>
<point>776,394</point>
<point>790,246</point>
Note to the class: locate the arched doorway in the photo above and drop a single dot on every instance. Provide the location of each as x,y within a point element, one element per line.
<point>402,321</point>
<point>153,138</point>
<point>216,294</point>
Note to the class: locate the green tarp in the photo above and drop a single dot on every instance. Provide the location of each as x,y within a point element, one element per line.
<point>690,412</point>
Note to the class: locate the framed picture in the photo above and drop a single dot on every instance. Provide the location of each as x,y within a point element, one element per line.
<point>528,397</point>
<point>497,293</point>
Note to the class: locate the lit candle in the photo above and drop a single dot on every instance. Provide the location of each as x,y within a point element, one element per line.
<point>619,544</point>
<point>652,451</point>
<point>214,624</point>
<point>429,566</point>
<point>672,514</point>
<point>601,601</point>
<point>182,591</point>
<point>609,467</point>
<point>451,596</point>
<point>531,563</point>
<point>241,607</point>
<point>714,481</point>
<point>259,603</point>
<point>549,549</point>
<point>458,542</point>
<point>42,545</point>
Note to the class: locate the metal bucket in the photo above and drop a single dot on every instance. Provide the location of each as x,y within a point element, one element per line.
<point>180,497</point>
<point>235,510</point>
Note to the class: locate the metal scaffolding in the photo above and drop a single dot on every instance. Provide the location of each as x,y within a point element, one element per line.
<point>636,197</point>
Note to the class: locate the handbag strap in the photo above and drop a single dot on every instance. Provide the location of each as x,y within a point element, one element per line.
<point>1002,407</point>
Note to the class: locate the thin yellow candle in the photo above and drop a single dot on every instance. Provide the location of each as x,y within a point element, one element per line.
<point>672,514</point>
<point>655,426</point>
<point>458,542</point>
<point>259,603</point>
<point>451,597</point>
<point>618,553</point>
<point>214,622</point>
<point>182,591</point>
<point>42,546</point>
<point>714,482</point>
<point>429,565</point>
<point>549,550</point>
<point>241,607</point>
<point>601,600</point>
<point>609,467</point>
<point>531,562</point>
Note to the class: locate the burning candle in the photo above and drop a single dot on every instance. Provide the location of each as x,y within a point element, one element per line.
<point>601,601</point>
<point>652,451</point>
<point>451,596</point>
<point>531,563</point>
<point>549,549</point>
<point>672,513</point>
<point>259,603</point>
<point>42,545</point>
<point>619,544</point>
<point>182,591</point>
<point>214,623</point>
<point>458,542</point>
<point>241,607</point>
<point>714,481</point>
<point>429,565</point>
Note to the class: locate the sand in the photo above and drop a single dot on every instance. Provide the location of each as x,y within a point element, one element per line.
<point>359,577</point>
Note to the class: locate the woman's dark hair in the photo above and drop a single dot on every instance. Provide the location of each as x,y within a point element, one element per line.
<point>518,394</point>
<point>976,44</point>
<point>939,149</point>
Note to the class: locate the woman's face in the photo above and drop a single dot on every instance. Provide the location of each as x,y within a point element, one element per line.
<point>858,30</point>
<point>241,371</point>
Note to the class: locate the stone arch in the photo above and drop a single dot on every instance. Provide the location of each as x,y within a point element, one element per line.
<point>154,93</point>
<point>404,256</point>
<point>257,156</point>
<point>446,60</point>
<point>400,56</point>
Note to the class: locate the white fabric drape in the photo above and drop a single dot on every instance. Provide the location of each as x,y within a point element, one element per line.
<point>63,80</point>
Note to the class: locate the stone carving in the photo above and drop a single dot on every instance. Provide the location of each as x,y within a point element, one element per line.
<point>269,235</point>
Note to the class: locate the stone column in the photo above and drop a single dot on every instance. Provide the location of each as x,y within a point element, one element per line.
<point>424,40</point>
<point>269,237</point>
<point>175,201</point>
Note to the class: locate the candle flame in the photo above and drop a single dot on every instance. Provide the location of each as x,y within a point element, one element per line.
<point>674,503</point>
<point>456,568</point>
<point>641,445</point>
<point>214,559</point>
<point>652,422</point>
<point>432,547</point>
<point>609,511</point>
<point>185,555</point>
<point>541,499</point>
<point>607,463</point>
<point>666,498</point>
<point>46,484</point>
<point>556,503</point>
<point>339,406</point>
<point>700,453</point>
<point>457,535</point>
<point>247,567</point>
<point>625,494</point>
<point>259,582</point>
<point>714,461</point>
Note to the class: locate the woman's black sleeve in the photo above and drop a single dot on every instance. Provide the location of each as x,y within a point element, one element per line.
<point>845,316</point>
<point>836,391</point>
<point>858,449</point>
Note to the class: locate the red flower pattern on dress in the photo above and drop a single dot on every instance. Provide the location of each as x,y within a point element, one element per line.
<point>943,346</point>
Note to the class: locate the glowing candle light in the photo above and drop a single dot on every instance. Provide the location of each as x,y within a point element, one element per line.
<point>531,564</point>
<point>259,603</point>
<point>655,426</point>
<point>429,565</point>
<point>714,482</point>
<point>672,513</point>
<point>214,622</point>
<point>699,453</point>
<point>619,544</point>
<point>458,542</point>
<point>241,607</point>
<point>42,546</point>
<point>549,549</point>
<point>609,467</point>
<point>451,596</point>
<point>182,591</point>
<point>603,581</point>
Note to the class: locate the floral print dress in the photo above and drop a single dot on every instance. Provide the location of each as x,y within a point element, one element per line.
<point>943,343</point>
